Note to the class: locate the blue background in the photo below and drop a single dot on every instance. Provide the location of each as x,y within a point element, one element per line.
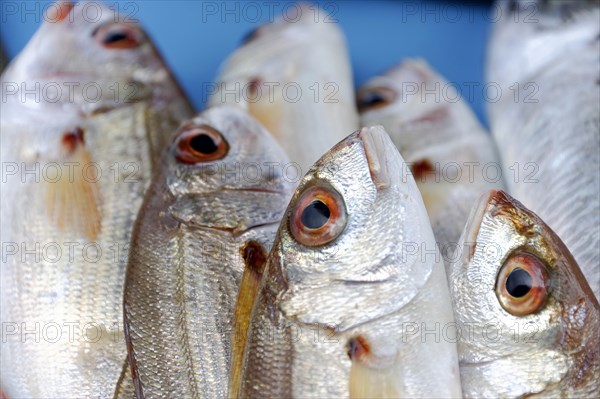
<point>195,37</point>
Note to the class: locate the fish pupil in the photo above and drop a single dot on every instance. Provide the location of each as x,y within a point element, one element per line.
<point>518,283</point>
<point>113,37</point>
<point>204,144</point>
<point>315,215</point>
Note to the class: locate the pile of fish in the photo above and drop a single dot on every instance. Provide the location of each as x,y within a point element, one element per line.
<point>378,245</point>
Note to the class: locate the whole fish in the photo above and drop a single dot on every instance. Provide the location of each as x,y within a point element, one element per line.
<point>354,300</point>
<point>294,76</point>
<point>451,157</point>
<point>211,210</point>
<point>529,321</point>
<point>75,165</point>
<point>544,57</point>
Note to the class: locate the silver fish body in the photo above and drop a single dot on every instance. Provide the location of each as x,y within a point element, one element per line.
<point>295,77</point>
<point>528,318</point>
<point>346,296</point>
<point>186,263</point>
<point>451,156</point>
<point>78,170</point>
<point>547,122</point>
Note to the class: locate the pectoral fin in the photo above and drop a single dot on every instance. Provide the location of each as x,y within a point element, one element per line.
<point>73,195</point>
<point>255,259</point>
<point>367,381</point>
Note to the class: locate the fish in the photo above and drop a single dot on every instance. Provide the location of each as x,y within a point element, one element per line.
<point>75,168</point>
<point>210,213</point>
<point>543,56</point>
<point>354,298</point>
<point>450,155</point>
<point>294,75</point>
<point>529,320</point>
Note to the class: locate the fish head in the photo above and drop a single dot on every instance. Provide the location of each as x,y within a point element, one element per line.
<point>278,55</point>
<point>409,93</point>
<point>87,54</point>
<point>223,169</point>
<point>423,113</point>
<point>340,247</point>
<point>261,52</point>
<point>431,126</point>
<point>299,23</point>
<point>523,305</point>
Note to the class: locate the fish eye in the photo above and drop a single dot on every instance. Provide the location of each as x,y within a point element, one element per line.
<point>318,217</point>
<point>374,97</point>
<point>522,284</point>
<point>200,144</point>
<point>118,36</point>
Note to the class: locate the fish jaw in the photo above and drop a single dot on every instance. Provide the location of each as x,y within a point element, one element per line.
<point>536,349</point>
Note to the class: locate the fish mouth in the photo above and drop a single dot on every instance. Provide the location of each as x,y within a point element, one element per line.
<point>379,151</point>
<point>255,190</point>
<point>200,210</point>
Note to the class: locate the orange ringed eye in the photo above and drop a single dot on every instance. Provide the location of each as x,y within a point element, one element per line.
<point>118,36</point>
<point>522,284</point>
<point>373,98</point>
<point>200,144</point>
<point>318,217</point>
